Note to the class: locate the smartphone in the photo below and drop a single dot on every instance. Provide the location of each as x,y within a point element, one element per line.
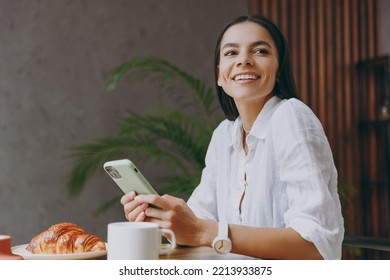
<point>128,177</point>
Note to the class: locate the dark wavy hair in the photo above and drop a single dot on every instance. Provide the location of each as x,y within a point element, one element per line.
<point>284,87</point>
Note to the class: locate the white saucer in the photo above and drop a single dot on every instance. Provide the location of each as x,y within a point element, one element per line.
<point>21,251</point>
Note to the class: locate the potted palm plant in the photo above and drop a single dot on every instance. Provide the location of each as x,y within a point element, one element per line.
<point>171,135</point>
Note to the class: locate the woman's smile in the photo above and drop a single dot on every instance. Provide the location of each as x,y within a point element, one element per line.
<point>245,77</point>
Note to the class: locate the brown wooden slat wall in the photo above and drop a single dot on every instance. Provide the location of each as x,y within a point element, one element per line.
<point>327,38</point>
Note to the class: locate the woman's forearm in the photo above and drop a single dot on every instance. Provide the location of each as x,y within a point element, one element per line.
<point>267,243</point>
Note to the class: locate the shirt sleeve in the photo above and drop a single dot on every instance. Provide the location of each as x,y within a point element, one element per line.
<point>203,201</point>
<point>306,166</point>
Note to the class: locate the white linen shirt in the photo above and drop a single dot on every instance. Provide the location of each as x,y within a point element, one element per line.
<point>288,177</point>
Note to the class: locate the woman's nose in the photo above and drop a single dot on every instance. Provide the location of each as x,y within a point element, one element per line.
<point>245,60</point>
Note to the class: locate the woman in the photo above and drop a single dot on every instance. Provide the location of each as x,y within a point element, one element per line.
<point>269,188</point>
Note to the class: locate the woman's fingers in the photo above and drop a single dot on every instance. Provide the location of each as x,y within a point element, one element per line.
<point>164,202</point>
<point>135,212</point>
<point>128,197</point>
<point>141,217</point>
<point>155,213</point>
<point>171,209</point>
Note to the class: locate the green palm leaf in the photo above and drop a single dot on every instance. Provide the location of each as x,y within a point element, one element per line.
<point>171,136</point>
<point>182,137</point>
<point>163,73</point>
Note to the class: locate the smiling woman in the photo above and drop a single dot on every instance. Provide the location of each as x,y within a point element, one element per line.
<point>269,188</point>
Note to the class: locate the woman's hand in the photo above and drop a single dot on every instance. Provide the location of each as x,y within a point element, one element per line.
<point>134,210</point>
<point>173,214</point>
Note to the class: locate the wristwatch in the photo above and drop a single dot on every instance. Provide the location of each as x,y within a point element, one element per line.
<point>222,244</point>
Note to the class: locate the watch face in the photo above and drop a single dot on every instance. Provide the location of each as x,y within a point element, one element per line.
<point>222,246</point>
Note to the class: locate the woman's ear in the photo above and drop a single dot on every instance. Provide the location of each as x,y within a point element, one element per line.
<point>218,80</point>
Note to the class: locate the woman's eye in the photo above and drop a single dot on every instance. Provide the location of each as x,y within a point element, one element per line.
<point>230,53</point>
<point>261,51</point>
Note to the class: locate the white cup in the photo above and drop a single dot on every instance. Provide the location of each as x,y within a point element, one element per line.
<point>137,241</point>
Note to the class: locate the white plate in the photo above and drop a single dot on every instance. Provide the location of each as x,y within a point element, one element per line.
<point>21,251</point>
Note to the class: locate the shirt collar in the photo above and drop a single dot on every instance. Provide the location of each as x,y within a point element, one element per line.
<point>259,127</point>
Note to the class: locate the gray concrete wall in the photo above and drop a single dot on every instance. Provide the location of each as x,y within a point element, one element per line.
<point>53,58</point>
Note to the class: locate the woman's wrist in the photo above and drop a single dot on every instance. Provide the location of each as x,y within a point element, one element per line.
<point>208,230</point>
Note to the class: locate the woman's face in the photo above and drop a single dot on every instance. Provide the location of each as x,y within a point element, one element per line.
<point>248,63</point>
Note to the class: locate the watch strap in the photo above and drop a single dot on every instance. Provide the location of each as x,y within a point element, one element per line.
<point>223,230</point>
<point>222,236</point>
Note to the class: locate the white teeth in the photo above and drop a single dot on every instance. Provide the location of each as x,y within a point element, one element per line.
<point>246,77</point>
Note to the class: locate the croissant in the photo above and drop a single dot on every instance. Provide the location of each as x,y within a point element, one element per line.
<point>65,238</point>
